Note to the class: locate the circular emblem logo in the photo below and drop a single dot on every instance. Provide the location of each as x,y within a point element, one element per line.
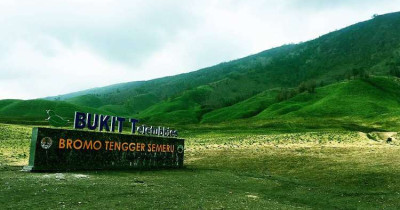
<point>180,148</point>
<point>46,142</point>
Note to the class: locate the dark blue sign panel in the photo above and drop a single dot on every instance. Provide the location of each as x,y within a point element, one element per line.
<point>59,149</point>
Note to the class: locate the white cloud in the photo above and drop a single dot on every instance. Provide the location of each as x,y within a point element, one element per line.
<point>28,70</point>
<point>52,47</point>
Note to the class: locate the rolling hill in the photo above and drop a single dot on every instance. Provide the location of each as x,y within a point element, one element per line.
<point>366,99</point>
<point>34,111</point>
<point>370,45</point>
<point>247,88</point>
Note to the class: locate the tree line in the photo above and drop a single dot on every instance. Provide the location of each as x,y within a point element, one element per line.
<point>307,86</point>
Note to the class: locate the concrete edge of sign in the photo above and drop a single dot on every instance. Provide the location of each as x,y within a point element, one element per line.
<point>32,150</point>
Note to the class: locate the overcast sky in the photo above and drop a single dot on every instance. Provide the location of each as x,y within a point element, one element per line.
<point>50,47</point>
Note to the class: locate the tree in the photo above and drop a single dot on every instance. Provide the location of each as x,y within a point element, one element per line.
<point>355,72</point>
<point>308,86</point>
<point>348,76</point>
<point>394,71</point>
<point>359,72</point>
<point>311,85</point>
<point>339,77</point>
<point>285,94</point>
<point>394,68</point>
<point>302,87</point>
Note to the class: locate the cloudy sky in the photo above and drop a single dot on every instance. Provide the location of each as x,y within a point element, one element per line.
<point>51,47</point>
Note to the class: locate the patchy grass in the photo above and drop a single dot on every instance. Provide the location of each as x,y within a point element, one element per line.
<point>14,144</point>
<point>345,170</point>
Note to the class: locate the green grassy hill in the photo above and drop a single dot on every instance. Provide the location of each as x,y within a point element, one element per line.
<point>244,109</point>
<point>367,98</point>
<point>183,109</point>
<point>374,100</point>
<point>364,105</point>
<point>371,46</point>
<point>247,88</point>
<point>86,100</point>
<point>34,111</point>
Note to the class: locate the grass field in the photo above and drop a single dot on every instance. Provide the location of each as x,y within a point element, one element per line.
<point>323,170</point>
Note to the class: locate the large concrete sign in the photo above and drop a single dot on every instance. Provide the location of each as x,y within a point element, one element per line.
<point>60,149</point>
